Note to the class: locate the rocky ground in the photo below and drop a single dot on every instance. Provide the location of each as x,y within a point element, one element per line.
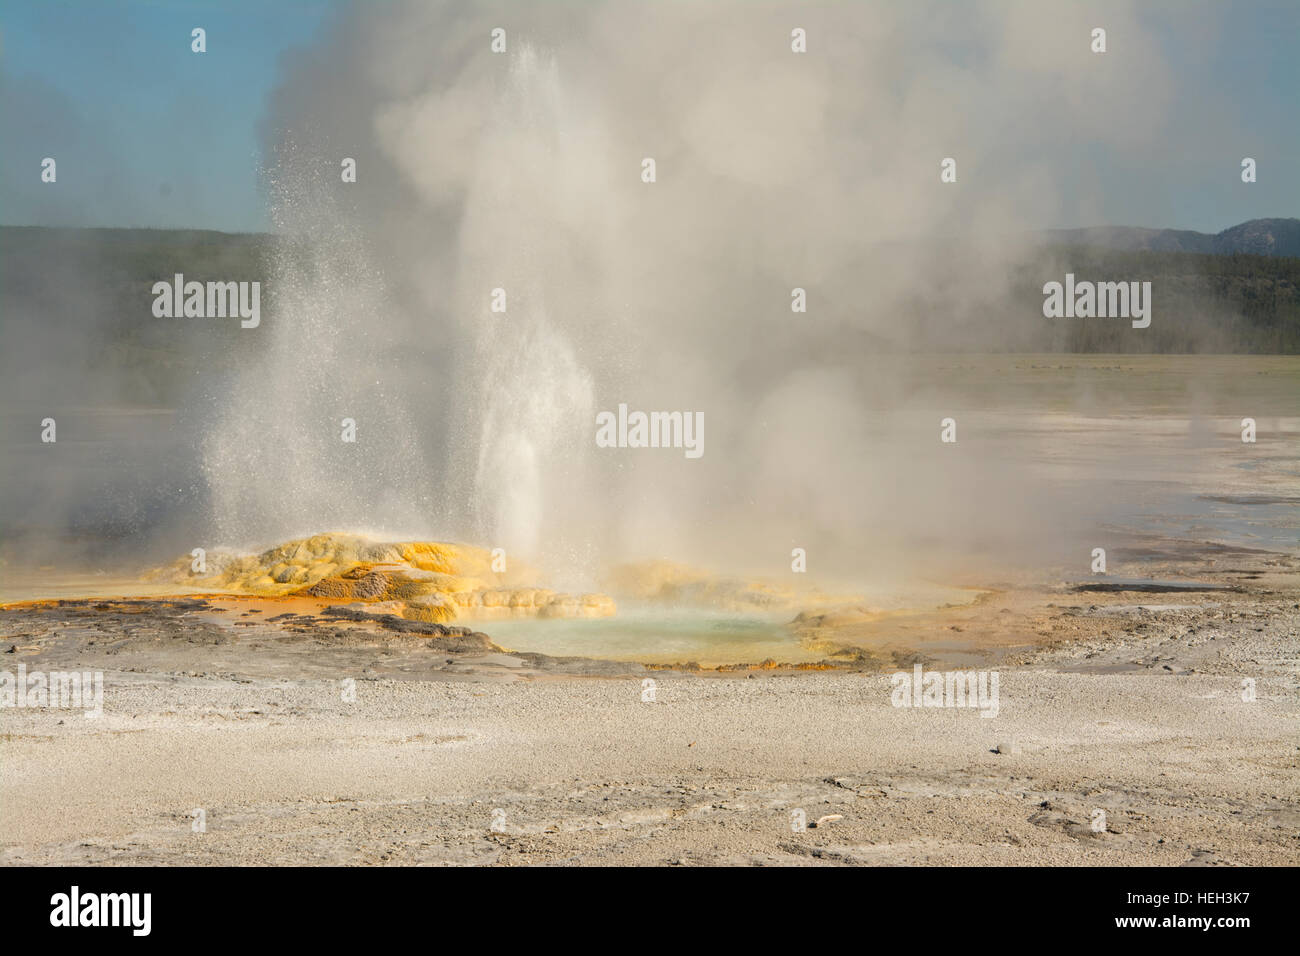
<point>1121,703</point>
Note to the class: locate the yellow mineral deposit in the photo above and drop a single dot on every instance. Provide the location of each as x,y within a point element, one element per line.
<point>441,582</point>
<point>421,580</point>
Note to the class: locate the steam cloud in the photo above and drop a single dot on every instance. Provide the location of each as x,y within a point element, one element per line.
<point>775,171</point>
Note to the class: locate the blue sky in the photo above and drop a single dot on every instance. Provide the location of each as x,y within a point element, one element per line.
<point>1245,75</point>
<point>147,133</point>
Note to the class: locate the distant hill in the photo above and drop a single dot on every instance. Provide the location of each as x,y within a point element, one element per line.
<point>1256,237</point>
<point>76,304</point>
<point>1261,237</point>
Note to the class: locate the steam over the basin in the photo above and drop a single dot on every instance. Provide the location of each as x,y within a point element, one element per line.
<point>501,272</point>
